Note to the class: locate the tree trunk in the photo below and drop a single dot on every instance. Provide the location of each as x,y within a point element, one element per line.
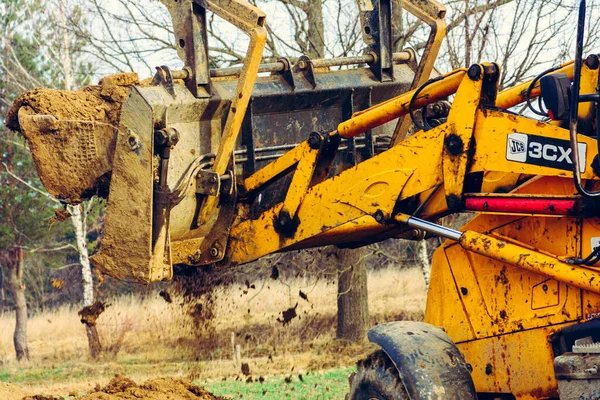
<point>352,299</point>
<point>423,260</point>
<point>316,29</point>
<point>93,340</point>
<point>78,219</point>
<point>1,286</point>
<point>17,288</point>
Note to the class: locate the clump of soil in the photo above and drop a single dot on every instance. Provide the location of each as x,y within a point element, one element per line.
<point>11,392</point>
<point>288,315</point>
<point>90,314</point>
<point>73,134</point>
<point>123,388</point>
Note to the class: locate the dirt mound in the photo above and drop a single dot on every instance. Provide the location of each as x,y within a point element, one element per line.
<point>11,392</point>
<point>123,388</point>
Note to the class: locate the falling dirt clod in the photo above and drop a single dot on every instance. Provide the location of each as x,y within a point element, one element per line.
<point>303,295</point>
<point>288,315</point>
<point>245,369</point>
<point>166,295</point>
<point>90,314</point>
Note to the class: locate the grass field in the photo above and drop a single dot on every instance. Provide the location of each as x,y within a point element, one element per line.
<point>152,338</point>
<point>323,386</point>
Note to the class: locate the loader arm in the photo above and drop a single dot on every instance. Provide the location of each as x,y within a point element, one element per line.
<point>434,172</point>
<point>168,155</point>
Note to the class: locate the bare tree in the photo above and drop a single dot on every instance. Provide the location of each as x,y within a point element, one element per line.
<point>13,259</point>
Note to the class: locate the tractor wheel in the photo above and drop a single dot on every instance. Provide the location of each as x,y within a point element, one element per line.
<point>376,378</point>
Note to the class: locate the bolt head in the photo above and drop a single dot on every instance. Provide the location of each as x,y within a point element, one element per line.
<point>454,144</point>
<point>133,141</point>
<point>379,217</point>
<point>284,219</point>
<point>314,140</point>
<point>474,72</point>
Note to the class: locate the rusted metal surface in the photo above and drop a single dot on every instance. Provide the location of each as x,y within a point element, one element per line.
<point>532,260</point>
<point>290,115</point>
<point>517,365</point>
<point>239,13</point>
<point>302,110</point>
<point>189,28</point>
<point>578,376</point>
<point>430,365</point>
<point>505,315</point>
<point>577,366</point>
<point>486,156</point>
<point>376,20</point>
<point>253,25</point>
<point>458,137</point>
<point>280,66</point>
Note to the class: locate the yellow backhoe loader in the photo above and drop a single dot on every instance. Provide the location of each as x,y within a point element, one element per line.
<point>228,165</point>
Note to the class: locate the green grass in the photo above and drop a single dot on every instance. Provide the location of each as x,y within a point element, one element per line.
<point>330,385</point>
<point>43,374</point>
<point>71,372</point>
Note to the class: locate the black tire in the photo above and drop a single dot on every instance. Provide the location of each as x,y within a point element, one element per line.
<point>376,378</point>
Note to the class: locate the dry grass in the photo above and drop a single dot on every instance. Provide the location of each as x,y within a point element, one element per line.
<point>154,338</point>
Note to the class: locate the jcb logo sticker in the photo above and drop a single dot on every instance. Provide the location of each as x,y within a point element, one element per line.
<point>516,146</point>
<point>544,151</point>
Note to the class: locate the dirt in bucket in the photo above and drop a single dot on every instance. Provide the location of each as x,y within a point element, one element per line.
<point>72,134</point>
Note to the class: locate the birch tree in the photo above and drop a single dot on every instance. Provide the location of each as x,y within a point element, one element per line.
<point>67,47</point>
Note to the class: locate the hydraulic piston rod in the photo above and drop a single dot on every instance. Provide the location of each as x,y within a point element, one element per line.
<point>511,253</point>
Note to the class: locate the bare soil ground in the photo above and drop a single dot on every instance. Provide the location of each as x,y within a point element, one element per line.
<point>12,392</point>
<point>123,388</point>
